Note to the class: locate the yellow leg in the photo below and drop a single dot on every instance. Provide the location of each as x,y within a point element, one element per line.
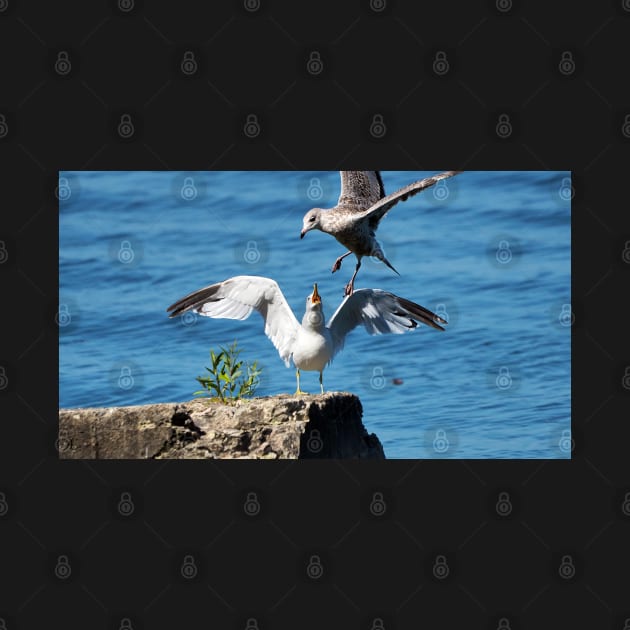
<point>298,391</point>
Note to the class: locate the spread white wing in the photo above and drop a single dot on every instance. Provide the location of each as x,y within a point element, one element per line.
<point>236,298</point>
<point>360,189</point>
<point>380,313</point>
<point>379,209</point>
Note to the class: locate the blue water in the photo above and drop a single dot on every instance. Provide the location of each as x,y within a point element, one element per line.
<point>490,251</point>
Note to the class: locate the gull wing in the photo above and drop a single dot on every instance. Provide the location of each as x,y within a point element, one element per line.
<point>378,210</point>
<point>236,298</point>
<point>380,313</point>
<point>360,189</point>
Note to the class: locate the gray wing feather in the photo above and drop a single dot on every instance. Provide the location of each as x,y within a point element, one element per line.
<point>360,189</point>
<point>379,209</point>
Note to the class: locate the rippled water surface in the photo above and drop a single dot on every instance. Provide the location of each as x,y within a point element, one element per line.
<point>490,251</point>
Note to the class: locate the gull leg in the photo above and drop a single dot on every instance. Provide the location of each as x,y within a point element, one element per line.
<point>298,391</point>
<point>321,383</point>
<point>337,265</point>
<point>350,286</point>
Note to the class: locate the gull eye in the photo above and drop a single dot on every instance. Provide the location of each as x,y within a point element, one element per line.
<point>312,219</point>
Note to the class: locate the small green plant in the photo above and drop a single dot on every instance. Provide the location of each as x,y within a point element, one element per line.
<point>225,379</point>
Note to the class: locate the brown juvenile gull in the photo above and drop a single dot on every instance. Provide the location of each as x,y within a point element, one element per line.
<point>355,218</point>
<point>313,343</point>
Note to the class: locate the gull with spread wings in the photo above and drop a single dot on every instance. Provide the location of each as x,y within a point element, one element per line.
<point>355,218</point>
<point>312,344</point>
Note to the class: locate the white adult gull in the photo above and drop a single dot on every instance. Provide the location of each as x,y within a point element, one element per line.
<point>355,218</point>
<point>312,344</point>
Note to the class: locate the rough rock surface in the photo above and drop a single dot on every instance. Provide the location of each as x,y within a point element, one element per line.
<point>275,427</point>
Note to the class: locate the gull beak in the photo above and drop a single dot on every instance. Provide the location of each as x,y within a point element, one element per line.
<point>315,298</point>
<point>302,233</point>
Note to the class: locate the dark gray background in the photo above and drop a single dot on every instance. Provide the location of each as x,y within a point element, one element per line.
<point>559,558</point>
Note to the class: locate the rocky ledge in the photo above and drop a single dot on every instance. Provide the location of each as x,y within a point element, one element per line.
<point>275,427</point>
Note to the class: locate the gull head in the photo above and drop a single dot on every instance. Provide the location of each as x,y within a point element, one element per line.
<point>311,221</point>
<point>314,316</point>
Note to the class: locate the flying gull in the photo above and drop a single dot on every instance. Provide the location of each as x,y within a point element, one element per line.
<point>355,218</point>
<point>313,343</point>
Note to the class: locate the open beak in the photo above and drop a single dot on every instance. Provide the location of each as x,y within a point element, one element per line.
<point>315,299</point>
